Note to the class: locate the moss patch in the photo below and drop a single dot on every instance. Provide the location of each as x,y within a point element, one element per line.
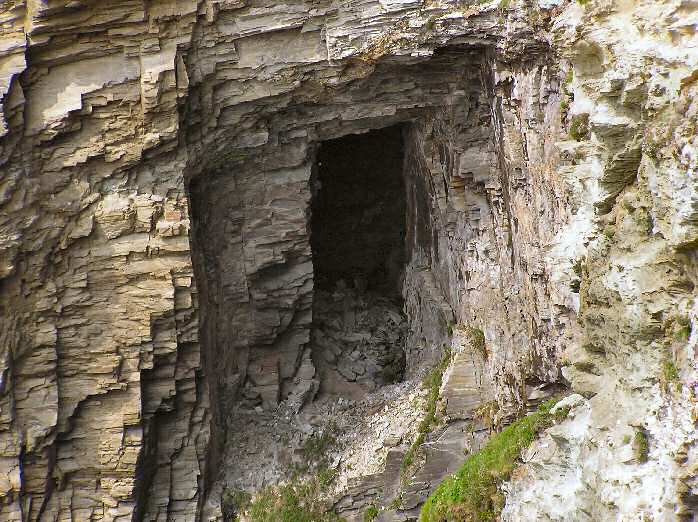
<point>641,446</point>
<point>432,383</point>
<point>472,494</point>
<point>579,128</point>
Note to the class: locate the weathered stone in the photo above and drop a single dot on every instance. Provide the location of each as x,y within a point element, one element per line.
<point>131,339</point>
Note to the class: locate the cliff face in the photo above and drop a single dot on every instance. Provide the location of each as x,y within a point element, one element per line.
<point>159,162</point>
<point>628,451</point>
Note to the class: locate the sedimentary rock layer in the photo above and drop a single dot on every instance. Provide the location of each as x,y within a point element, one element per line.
<point>155,256</point>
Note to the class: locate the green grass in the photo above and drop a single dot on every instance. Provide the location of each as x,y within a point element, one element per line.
<point>564,105</point>
<point>487,413</point>
<point>432,383</point>
<point>299,500</point>
<point>295,502</point>
<point>472,493</point>
<point>316,447</point>
<point>670,372</point>
<point>234,501</point>
<point>371,514</point>
<point>584,366</point>
<point>641,446</point>
<point>683,327</point>
<point>477,340</point>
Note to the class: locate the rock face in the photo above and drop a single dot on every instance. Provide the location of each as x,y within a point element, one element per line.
<point>357,338</point>
<point>158,173</point>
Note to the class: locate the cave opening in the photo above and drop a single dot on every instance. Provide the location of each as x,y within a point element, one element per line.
<point>358,212</point>
<point>358,216</point>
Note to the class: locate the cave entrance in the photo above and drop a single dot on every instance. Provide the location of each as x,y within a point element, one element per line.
<point>358,248</point>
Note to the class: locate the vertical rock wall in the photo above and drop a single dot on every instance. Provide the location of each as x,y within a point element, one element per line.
<point>628,450</point>
<point>120,120</point>
<point>103,407</point>
<point>485,207</point>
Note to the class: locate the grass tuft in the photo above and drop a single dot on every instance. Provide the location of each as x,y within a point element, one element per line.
<point>371,514</point>
<point>299,500</point>
<point>683,327</point>
<point>296,502</point>
<point>670,372</point>
<point>641,446</point>
<point>477,340</point>
<point>432,383</point>
<point>579,128</point>
<point>233,502</point>
<point>472,493</point>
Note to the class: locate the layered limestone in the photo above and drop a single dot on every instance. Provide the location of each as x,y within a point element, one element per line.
<point>628,450</point>
<point>157,285</point>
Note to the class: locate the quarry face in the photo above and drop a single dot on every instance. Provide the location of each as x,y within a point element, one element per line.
<point>329,251</point>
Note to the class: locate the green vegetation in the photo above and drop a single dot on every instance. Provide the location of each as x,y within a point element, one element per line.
<point>315,450</point>
<point>579,128</point>
<point>564,105</point>
<point>609,231</point>
<point>477,340</point>
<point>567,96</point>
<point>432,383</point>
<point>644,220</point>
<point>396,503</point>
<point>371,514</point>
<point>682,327</point>
<point>472,494</point>
<point>487,413</point>
<point>561,413</point>
<point>234,501</point>
<point>641,446</point>
<point>584,366</point>
<point>297,502</point>
<point>569,78</point>
<point>670,373</point>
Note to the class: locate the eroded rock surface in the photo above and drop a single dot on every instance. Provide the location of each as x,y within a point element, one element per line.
<point>358,338</point>
<point>156,269</point>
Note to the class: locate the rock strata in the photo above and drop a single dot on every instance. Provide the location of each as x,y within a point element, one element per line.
<point>160,282</point>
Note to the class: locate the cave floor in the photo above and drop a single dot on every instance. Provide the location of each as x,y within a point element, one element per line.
<point>266,447</point>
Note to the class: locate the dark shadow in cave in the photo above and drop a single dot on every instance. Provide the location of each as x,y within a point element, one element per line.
<point>358,212</point>
<point>358,245</point>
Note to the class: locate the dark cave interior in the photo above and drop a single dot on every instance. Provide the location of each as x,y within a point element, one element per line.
<point>358,212</point>
<point>358,245</point>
